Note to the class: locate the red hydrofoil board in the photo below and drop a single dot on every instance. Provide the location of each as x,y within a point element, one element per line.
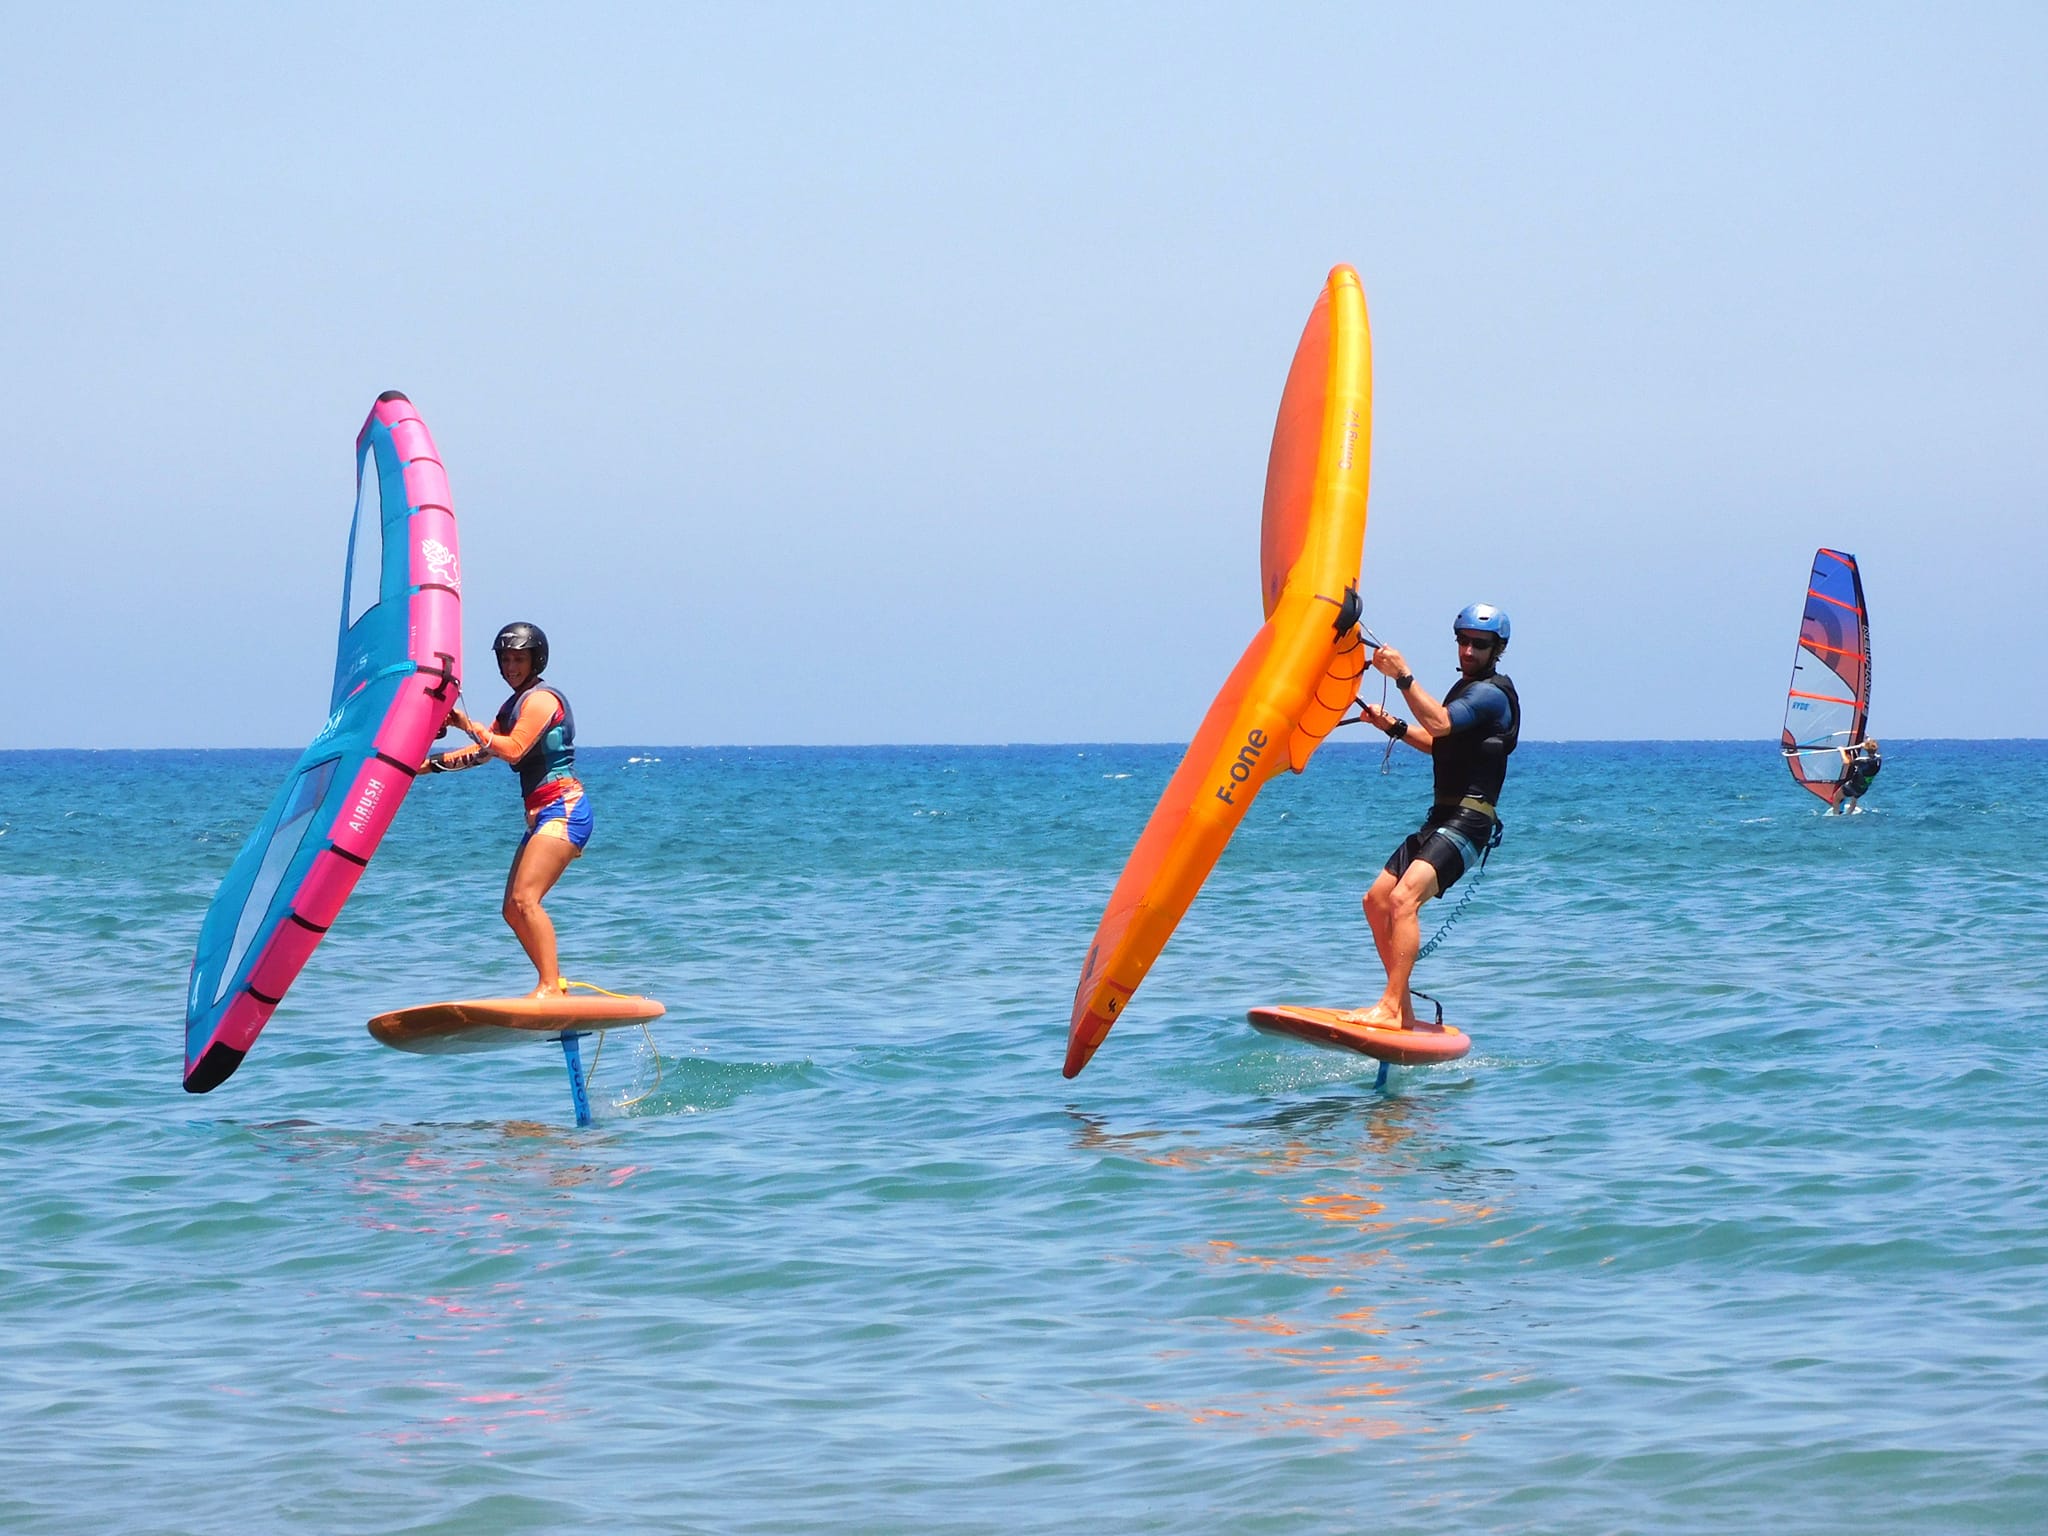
<point>1428,1046</point>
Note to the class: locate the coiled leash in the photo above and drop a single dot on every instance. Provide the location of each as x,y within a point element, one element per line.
<point>1464,901</point>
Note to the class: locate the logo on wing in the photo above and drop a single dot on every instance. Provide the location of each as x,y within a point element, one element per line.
<point>440,562</point>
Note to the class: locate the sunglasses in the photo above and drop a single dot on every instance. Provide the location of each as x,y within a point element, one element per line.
<point>1478,642</point>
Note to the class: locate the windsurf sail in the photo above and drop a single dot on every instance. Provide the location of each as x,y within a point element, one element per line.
<point>1294,681</point>
<point>397,672</point>
<point>1827,707</point>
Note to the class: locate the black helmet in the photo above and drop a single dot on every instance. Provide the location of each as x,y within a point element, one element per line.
<point>523,637</point>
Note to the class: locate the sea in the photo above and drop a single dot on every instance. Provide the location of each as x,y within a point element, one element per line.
<point>1734,1219</point>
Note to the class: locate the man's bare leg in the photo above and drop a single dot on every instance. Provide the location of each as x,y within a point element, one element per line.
<point>1393,908</point>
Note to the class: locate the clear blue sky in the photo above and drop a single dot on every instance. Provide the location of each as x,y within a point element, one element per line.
<point>905,373</point>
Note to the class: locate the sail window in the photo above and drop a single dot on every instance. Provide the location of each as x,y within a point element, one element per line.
<point>306,793</point>
<point>366,539</point>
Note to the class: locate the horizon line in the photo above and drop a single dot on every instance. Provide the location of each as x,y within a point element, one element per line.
<point>997,746</point>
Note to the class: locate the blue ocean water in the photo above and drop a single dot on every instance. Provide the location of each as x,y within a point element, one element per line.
<point>1733,1219</point>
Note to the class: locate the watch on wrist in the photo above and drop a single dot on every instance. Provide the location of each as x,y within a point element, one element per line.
<point>1405,681</point>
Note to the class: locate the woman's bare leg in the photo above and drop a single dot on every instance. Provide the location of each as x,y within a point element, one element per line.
<point>535,869</point>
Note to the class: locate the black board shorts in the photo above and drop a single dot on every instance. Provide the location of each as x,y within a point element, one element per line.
<point>1449,842</point>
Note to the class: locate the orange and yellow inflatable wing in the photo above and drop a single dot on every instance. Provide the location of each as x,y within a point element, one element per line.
<point>1295,679</point>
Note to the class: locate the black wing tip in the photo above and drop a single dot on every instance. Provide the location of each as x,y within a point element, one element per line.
<point>214,1068</point>
<point>393,394</point>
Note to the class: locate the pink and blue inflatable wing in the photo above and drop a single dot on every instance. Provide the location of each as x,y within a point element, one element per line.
<point>395,679</point>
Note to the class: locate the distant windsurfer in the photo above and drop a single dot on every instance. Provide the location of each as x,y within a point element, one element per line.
<point>1468,735</point>
<point>1860,764</point>
<point>535,731</point>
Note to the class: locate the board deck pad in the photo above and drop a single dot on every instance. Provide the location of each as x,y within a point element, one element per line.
<point>1333,1027</point>
<point>492,1023</point>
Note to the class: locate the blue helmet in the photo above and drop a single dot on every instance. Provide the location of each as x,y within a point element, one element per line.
<point>1485,619</point>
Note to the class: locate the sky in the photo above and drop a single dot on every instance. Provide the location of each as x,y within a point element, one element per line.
<point>855,373</point>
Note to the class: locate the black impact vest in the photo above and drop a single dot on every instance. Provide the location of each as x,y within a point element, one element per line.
<point>1467,763</point>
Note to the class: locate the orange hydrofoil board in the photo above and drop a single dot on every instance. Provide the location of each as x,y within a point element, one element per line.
<point>487,1023</point>
<point>1333,1027</point>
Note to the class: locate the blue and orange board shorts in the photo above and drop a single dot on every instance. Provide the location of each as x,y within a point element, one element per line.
<point>560,808</point>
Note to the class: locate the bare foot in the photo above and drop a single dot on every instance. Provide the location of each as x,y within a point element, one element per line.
<point>1381,1015</point>
<point>545,993</point>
